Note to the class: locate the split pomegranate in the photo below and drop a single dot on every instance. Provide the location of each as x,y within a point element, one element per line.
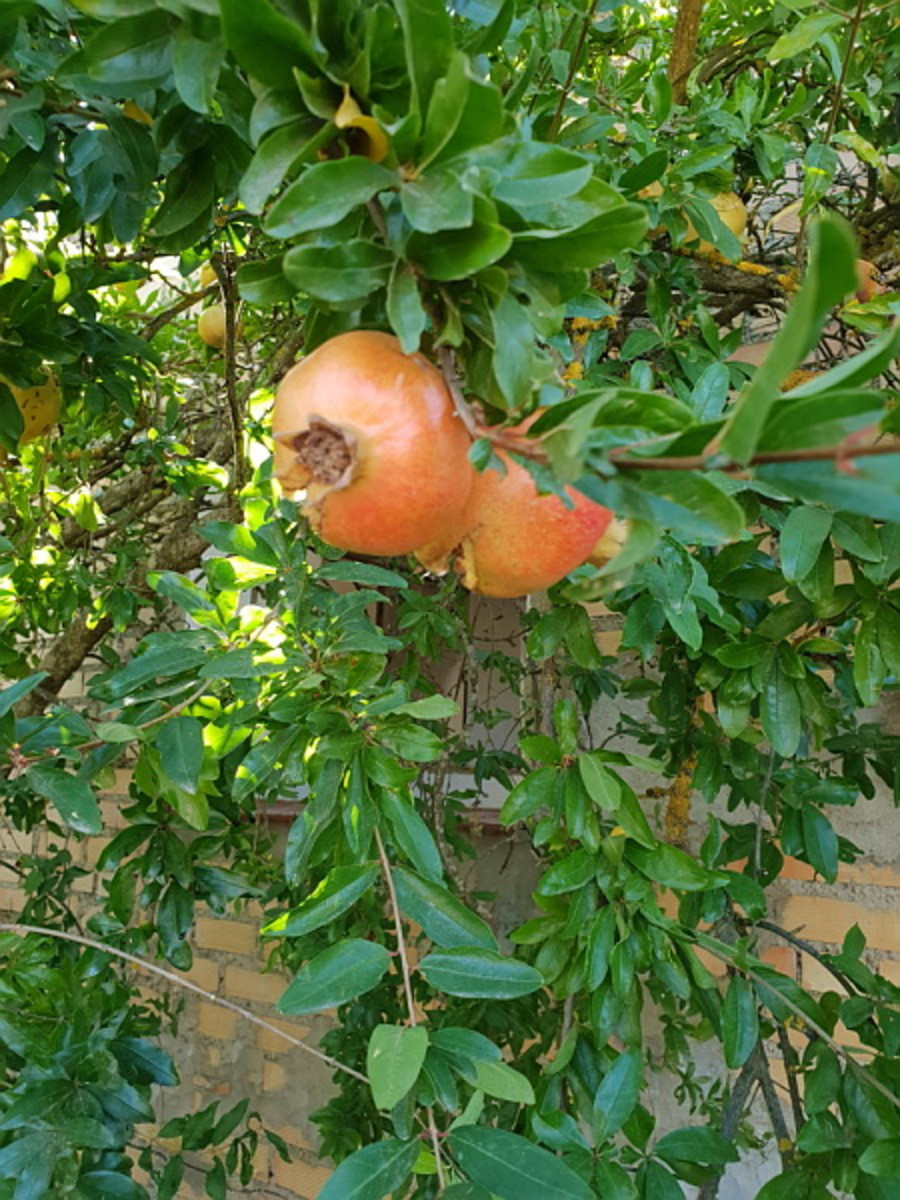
<point>372,436</point>
<point>517,541</point>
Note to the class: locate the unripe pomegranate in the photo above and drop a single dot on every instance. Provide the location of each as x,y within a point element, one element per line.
<point>373,437</point>
<point>211,326</point>
<point>520,542</point>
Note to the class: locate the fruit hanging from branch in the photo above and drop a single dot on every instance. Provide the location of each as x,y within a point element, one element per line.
<point>373,438</point>
<point>519,541</point>
<point>211,326</point>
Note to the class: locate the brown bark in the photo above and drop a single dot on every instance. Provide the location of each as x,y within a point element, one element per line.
<point>684,47</point>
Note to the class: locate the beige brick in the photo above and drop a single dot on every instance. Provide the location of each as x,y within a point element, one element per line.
<point>120,785</point>
<point>822,920</point>
<point>253,985</point>
<point>889,968</point>
<point>865,873</point>
<point>233,937</point>
<point>301,1179</point>
<point>216,1022</point>
<point>271,1043</point>
<point>815,977</point>
<point>274,1077</point>
<point>609,640</point>
<point>826,920</point>
<point>12,900</point>
<point>205,973</point>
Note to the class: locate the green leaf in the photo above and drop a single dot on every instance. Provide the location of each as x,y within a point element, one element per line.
<point>110,1185</point>
<point>180,746</point>
<point>693,505</point>
<point>405,310</point>
<point>72,797</point>
<point>341,274</point>
<point>429,708</point>
<point>820,842</point>
<point>780,710</point>
<point>740,1022</point>
<point>394,1060</point>
<point>569,873</point>
<point>437,201</point>
<point>344,971</point>
<point>882,1158</point>
<point>802,537</point>
<point>413,742</point>
<point>445,920</point>
<point>347,571</point>
<point>601,937</point>
<point>512,1168</point>
<point>459,253</point>
<point>428,41</point>
<point>277,154</point>
<point>501,1081</point>
<point>196,63</point>
<point>260,761</point>
<point>696,1144</point>
<point>373,1172</point>
<point>617,1094</point>
<point>805,34</point>
<point>830,277</point>
<point>325,193</point>
<point>603,786</point>
<point>335,895</point>
<point>480,973</point>
<point>887,627</point>
<point>528,795</point>
<point>586,247</point>
<point>267,44</point>
<point>412,835</point>
<point>11,695</point>
<point>672,868</point>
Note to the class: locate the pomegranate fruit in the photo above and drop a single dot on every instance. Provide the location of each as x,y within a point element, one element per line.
<point>211,326</point>
<point>867,286</point>
<point>371,434</point>
<point>517,541</point>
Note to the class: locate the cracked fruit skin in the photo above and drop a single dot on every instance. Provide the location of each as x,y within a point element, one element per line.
<point>40,407</point>
<point>371,434</point>
<point>520,542</point>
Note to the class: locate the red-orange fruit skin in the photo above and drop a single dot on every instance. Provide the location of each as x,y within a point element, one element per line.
<point>520,542</point>
<point>411,474</point>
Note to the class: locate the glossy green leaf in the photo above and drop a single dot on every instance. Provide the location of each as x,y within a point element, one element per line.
<point>478,973</point>
<point>780,710</point>
<point>820,842</point>
<point>341,274</point>
<point>512,1168</point>
<point>802,536</point>
<point>180,746</point>
<point>617,1095</point>
<point>72,797</point>
<point>603,785</point>
<point>412,835</point>
<point>335,895</point>
<point>373,1172</point>
<point>267,44</point>
<point>805,34</point>
<point>325,193</point>
<point>740,1022</point>
<point>588,246</point>
<point>344,971</point>
<point>277,155</point>
<point>11,695</point>
<point>531,793</point>
<point>447,922</point>
<point>696,1144</point>
<point>882,1158</point>
<point>436,201</point>
<point>428,41</point>
<point>393,1061</point>
<point>673,868</point>
<point>405,309</point>
<point>501,1081</point>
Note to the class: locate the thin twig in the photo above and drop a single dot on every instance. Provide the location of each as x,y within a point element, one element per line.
<point>773,1104</point>
<point>574,64</point>
<point>700,462</point>
<point>447,364</point>
<point>156,324</point>
<point>407,983</point>
<point>151,968</point>
<point>790,1060</point>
